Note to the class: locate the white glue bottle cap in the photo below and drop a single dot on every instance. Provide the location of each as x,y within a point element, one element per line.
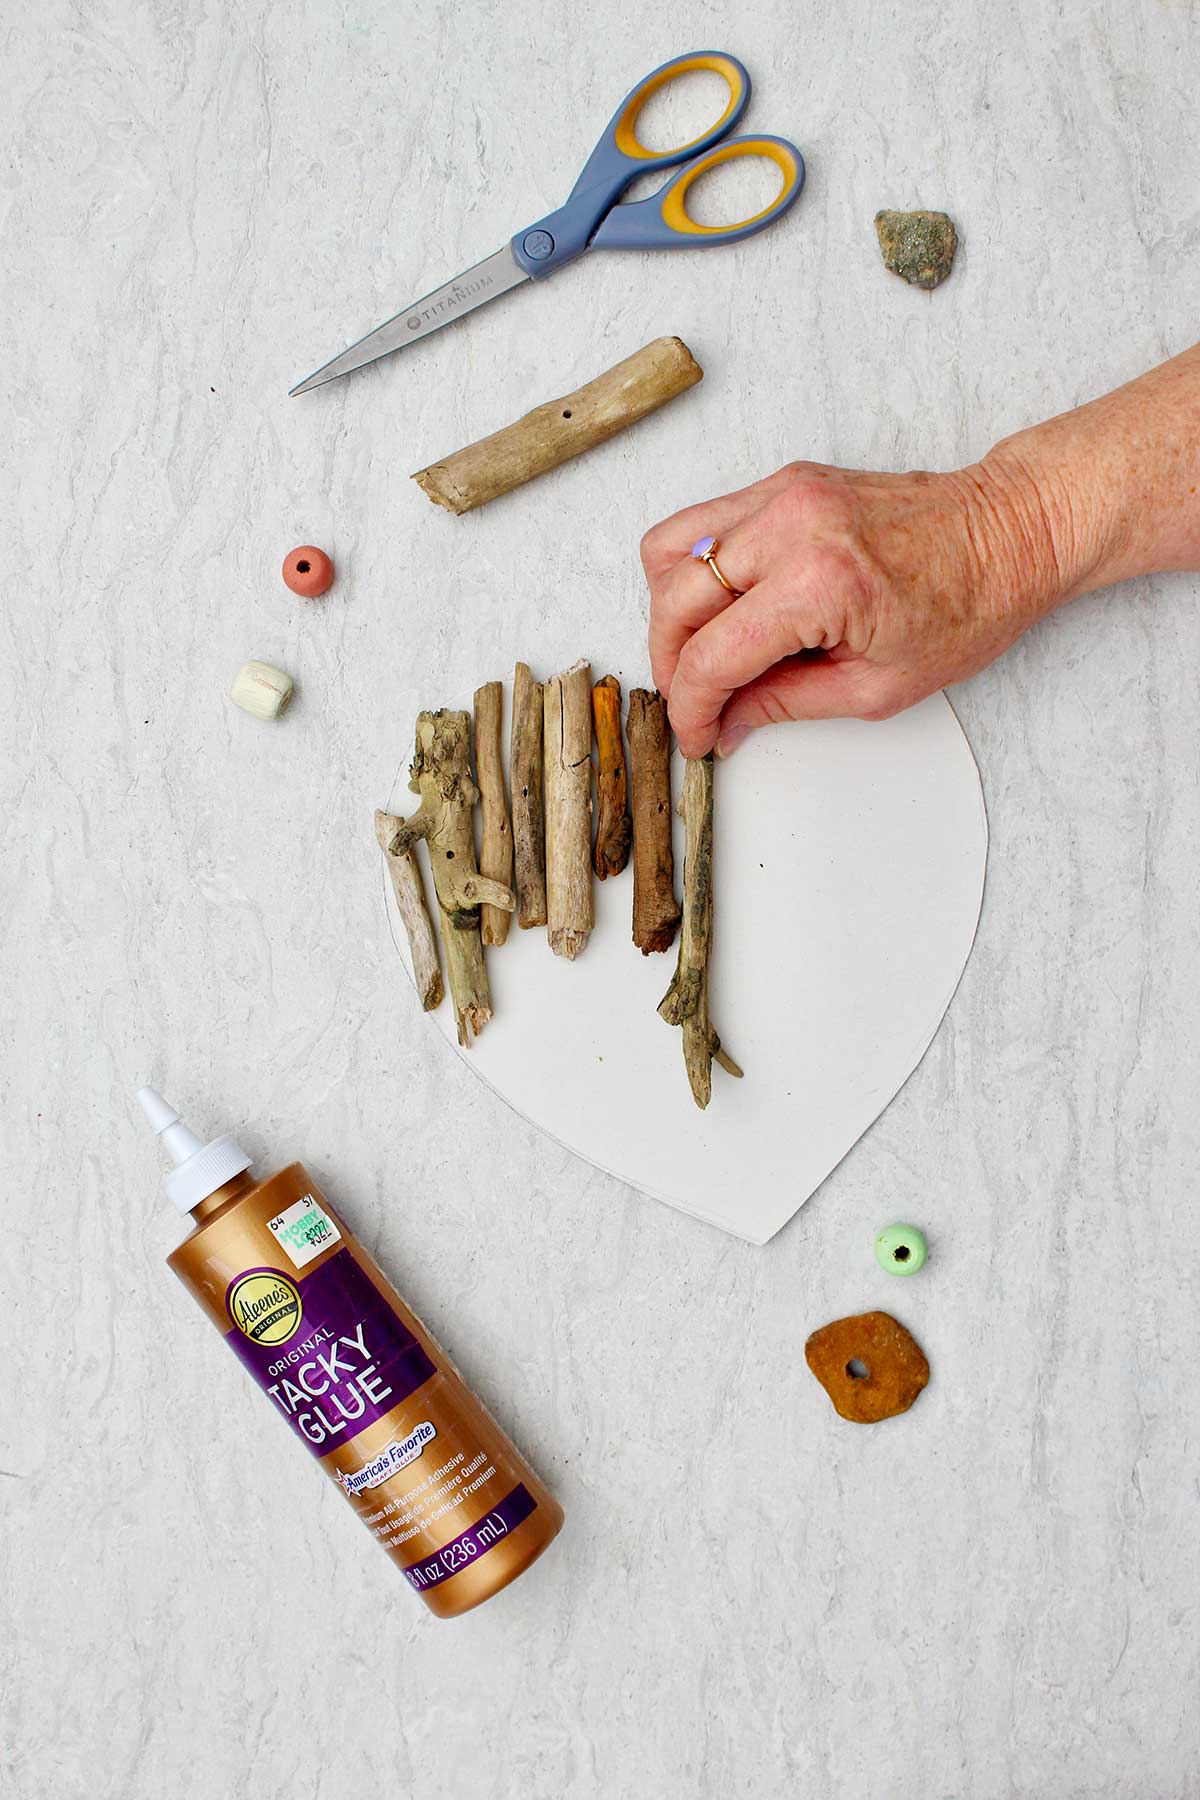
<point>200,1169</point>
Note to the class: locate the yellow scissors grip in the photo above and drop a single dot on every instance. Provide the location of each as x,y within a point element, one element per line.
<point>674,202</point>
<point>714,62</point>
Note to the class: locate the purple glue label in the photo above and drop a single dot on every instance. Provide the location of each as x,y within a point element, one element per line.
<point>483,1536</point>
<point>326,1347</point>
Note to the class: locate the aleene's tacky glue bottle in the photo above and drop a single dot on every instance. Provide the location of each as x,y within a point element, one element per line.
<point>354,1372</point>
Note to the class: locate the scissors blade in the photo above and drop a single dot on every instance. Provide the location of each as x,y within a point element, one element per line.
<point>488,279</point>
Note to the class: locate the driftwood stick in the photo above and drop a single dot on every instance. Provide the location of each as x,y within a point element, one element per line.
<point>441,775</point>
<point>410,898</point>
<point>614,831</point>
<point>655,908</point>
<point>567,731</point>
<point>561,429</point>
<point>525,774</point>
<point>496,856</point>
<point>686,1000</point>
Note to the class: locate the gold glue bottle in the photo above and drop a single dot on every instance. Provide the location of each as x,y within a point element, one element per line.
<point>353,1372</point>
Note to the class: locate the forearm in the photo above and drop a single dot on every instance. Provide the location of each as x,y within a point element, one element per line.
<point>908,582</point>
<point>1111,490</point>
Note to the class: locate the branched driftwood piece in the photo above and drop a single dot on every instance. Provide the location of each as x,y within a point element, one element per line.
<point>441,775</point>
<point>567,733</point>
<point>496,854</point>
<point>614,830</point>
<point>686,1000</point>
<point>561,429</point>
<point>410,898</point>
<point>525,775</point>
<point>655,908</point>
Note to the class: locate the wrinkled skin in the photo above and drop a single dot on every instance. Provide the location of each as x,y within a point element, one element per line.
<point>863,593</point>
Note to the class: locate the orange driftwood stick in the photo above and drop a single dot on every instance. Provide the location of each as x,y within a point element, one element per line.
<point>614,832</point>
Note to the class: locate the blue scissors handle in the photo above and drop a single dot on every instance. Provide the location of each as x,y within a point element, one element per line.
<point>591,216</point>
<point>663,222</point>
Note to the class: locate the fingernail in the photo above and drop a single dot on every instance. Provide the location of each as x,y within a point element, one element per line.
<point>729,740</point>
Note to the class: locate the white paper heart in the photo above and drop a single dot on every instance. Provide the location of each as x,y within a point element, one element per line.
<point>849,865</point>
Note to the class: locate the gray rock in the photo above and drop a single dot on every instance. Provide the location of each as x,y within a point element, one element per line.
<point>917,246</point>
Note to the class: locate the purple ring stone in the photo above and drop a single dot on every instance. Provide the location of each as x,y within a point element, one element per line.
<point>703,547</point>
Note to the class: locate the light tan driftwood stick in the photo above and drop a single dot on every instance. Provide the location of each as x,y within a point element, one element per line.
<point>496,856</point>
<point>410,898</point>
<point>655,908</point>
<point>525,775</point>
<point>567,730</point>
<point>561,429</point>
<point>686,1000</point>
<point>441,775</point>
<point>614,831</point>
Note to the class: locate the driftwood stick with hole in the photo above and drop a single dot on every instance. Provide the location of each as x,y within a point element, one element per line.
<point>525,776</point>
<point>685,1002</point>
<point>567,734</point>
<point>614,829</point>
<point>496,853</point>
<point>409,890</point>
<point>655,908</point>
<point>561,429</point>
<point>441,775</point>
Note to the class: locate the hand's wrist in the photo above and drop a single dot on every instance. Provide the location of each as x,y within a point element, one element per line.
<point>1023,555</point>
<point>1064,506</point>
<point>1110,491</point>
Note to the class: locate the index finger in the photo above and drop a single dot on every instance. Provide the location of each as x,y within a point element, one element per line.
<point>748,638</point>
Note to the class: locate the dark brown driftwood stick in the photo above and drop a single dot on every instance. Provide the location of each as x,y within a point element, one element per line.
<point>496,855</point>
<point>567,733</point>
<point>614,832</point>
<point>525,774</point>
<point>410,898</point>
<point>655,908</point>
<point>441,774</point>
<point>561,429</point>
<point>686,1000</point>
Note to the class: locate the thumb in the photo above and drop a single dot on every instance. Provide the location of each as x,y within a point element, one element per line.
<point>801,687</point>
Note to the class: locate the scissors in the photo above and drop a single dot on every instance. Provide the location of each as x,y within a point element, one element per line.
<point>591,219</point>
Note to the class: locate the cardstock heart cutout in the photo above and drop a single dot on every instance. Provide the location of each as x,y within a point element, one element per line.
<point>849,864</point>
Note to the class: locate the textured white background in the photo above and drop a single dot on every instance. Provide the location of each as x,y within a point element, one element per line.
<point>995,1596</point>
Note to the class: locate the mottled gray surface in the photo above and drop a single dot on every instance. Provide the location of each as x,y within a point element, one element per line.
<point>994,1596</point>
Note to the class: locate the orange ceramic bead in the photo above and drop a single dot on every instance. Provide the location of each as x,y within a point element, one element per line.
<point>307,571</point>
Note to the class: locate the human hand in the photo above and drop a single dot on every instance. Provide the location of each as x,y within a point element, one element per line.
<point>862,594</point>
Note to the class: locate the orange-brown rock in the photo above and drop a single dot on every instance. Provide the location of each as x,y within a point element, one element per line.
<point>869,1365</point>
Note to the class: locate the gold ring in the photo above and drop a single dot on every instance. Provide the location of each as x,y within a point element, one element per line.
<point>705,551</point>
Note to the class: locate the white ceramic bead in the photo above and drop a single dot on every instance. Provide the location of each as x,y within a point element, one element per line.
<point>261,690</point>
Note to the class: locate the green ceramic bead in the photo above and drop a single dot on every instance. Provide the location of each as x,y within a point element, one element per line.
<point>901,1250</point>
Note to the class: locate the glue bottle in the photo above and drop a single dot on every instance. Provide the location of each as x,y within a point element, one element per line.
<point>353,1372</point>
